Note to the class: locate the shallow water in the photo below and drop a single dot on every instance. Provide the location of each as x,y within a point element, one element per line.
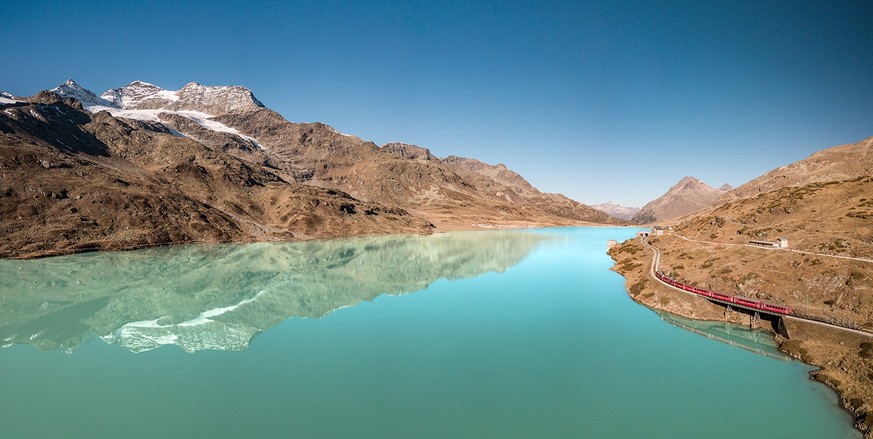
<point>472,334</point>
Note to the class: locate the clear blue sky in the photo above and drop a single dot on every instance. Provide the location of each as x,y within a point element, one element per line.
<point>597,100</point>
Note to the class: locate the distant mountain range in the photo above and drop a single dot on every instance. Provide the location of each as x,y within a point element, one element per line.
<point>140,165</point>
<point>690,195</point>
<point>616,210</point>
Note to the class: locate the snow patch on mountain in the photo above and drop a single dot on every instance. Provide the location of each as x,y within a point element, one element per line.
<point>202,119</point>
<point>205,121</point>
<point>140,95</point>
<point>143,101</point>
<point>133,95</point>
<point>6,98</point>
<point>341,133</point>
<point>70,89</point>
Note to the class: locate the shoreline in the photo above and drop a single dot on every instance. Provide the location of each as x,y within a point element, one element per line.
<point>645,291</point>
<point>116,246</point>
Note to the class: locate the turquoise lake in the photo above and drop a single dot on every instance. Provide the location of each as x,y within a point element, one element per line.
<point>492,334</point>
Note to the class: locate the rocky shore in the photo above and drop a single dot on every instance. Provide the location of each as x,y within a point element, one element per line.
<point>844,359</point>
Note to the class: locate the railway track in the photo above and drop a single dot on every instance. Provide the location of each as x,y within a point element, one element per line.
<point>741,302</point>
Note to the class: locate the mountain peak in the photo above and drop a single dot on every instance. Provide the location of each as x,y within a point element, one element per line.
<point>132,95</point>
<point>142,84</point>
<point>687,180</point>
<point>690,183</point>
<point>686,196</point>
<point>220,99</point>
<point>72,90</point>
<point>725,187</point>
<point>193,96</point>
<point>141,95</point>
<point>70,84</point>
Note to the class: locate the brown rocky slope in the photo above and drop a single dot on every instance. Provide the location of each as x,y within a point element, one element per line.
<point>838,163</point>
<point>74,182</point>
<point>444,192</point>
<point>144,166</point>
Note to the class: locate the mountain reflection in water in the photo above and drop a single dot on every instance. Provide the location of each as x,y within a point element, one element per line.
<point>220,296</point>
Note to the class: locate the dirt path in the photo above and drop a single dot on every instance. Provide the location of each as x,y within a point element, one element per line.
<point>774,249</point>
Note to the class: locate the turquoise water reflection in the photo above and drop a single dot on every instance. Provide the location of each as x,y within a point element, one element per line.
<point>512,334</point>
<point>220,296</point>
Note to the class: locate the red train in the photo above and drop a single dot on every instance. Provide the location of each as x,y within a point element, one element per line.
<point>742,301</point>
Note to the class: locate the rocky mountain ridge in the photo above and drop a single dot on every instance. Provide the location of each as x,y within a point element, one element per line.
<point>499,186</point>
<point>73,181</point>
<point>74,162</point>
<point>139,95</point>
<point>215,100</point>
<point>687,196</point>
<point>409,151</point>
<point>838,163</point>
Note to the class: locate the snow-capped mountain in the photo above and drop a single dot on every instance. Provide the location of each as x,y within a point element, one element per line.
<point>71,89</point>
<point>139,95</point>
<point>147,102</point>
<point>216,100</point>
<point>132,95</point>
<point>6,98</point>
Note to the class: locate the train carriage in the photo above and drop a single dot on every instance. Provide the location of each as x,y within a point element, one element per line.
<point>737,300</point>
